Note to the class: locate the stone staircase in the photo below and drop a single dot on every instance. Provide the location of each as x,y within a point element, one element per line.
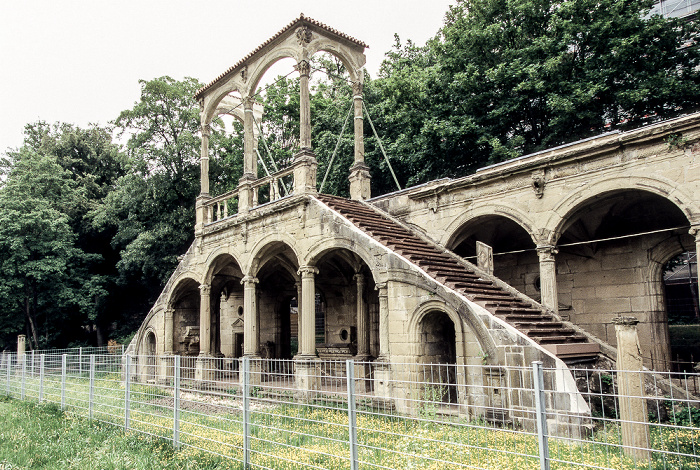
<point>446,268</point>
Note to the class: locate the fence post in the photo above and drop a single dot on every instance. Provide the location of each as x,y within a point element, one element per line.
<point>64,360</point>
<point>33,365</point>
<point>8,360</point>
<point>176,402</point>
<point>352,416</point>
<point>80,362</point>
<point>127,392</point>
<point>24,375</point>
<point>246,412</point>
<point>541,414</point>
<point>41,378</point>
<point>91,393</point>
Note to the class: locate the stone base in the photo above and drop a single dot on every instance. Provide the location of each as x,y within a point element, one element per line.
<point>382,381</point>
<point>166,370</point>
<point>204,369</point>
<point>306,376</point>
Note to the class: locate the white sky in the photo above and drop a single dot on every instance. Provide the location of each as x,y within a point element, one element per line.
<point>79,61</point>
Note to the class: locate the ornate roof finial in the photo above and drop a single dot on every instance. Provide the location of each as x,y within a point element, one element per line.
<point>301,16</point>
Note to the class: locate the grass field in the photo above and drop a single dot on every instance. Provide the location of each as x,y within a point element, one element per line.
<point>36,436</point>
<point>285,436</point>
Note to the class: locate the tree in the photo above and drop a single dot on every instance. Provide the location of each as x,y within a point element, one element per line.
<point>508,77</point>
<point>44,278</point>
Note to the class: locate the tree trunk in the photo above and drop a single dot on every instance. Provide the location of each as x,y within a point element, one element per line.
<point>30,320</point>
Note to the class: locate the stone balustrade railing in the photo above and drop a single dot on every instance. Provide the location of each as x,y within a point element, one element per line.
<point>263,191</point>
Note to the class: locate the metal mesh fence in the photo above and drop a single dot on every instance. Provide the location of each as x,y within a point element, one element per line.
<point>308,413</point>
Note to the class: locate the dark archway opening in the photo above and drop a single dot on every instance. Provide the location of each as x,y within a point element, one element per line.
<point>438,340</point>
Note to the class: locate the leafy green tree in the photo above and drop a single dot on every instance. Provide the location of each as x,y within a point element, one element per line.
<point>508,77</point>
<point>45,280</point>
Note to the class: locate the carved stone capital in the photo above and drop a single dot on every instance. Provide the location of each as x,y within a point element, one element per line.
<point>382,288</point>
<point>304,35</point>
<point>206,130</point>
<point>304,68</point>
<point>307,271</point>
<point>695,231</point>
<point>169,312</point>
<point>357,89</point>
<point>248,280</point>
<point>248,103</point>
<point>359,278</point>
<point>547,253</point>
<point>205,289</point>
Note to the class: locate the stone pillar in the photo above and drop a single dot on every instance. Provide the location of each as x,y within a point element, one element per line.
<point>362,320</point>
<point>205,320</point>
<point>166,360</point>
<point>382,369</point>
<point>298,286</point>
<point>307,336</point>
<point>695,231</point>
<point>359,172</point>
<point>484,257</point>
<point>304,105</point>
<point>204,160</point>
<point>548,277</point>
<point>250,161</point>
<point>251,340</point>
<point>304,161</point>
<point>21,346</point>
<point>630,384</point>
<point>384,350</point>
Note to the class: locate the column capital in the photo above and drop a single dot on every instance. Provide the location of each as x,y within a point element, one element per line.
<point>169,312</point>
<point>205,289</point>
<point>382,288</point>
<point>695,231</point>
<point>359,277</point>
<point>547,252</point>
<point>307,271</point>
<point>206,130</point>
<point>357,89</point>
<point>248,103</point>
<point>248,280</point>
<point>304,68</point>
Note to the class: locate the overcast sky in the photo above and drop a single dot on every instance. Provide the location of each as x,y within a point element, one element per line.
<point>79,61</point>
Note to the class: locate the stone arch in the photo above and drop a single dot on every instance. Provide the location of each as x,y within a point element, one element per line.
<point>265,248</point>
<point>337,243</point>
<point>215,256</point>
<point>211,103</point>
<point>149,351</point>
<point>464,350</point>
<point>512,213</point>
<point>563,211</point>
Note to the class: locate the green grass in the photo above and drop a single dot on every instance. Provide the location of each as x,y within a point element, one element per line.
<point>36,436</point>
<point>286,436</point>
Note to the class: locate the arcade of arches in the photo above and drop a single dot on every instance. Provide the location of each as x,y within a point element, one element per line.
<point>579,235</point>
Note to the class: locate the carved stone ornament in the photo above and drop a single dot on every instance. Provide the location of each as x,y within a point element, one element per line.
<point>304,68</point>
<point>357,88</point>
<point>244,73</point>
<point>304,35</point>
<point>538,183</point>
<point>205,289</point>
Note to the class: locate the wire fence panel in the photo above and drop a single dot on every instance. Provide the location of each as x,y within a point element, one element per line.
<point>337,414</point>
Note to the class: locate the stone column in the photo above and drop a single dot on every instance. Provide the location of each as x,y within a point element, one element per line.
<point>205,320</point>
<point>307,341</point>
<point>304,105</point>
<point>298,286</point>
<point>384,350</point>
<point>21,346</point>
<point>695,231</point>
<point>166,360</point>
<point>251,340</point>
<point>548,277</point>
<point>362,320</point>
<point>204,160</point>
<point>359,172</point>
<point>382,369</point>
<point>630,384</point>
